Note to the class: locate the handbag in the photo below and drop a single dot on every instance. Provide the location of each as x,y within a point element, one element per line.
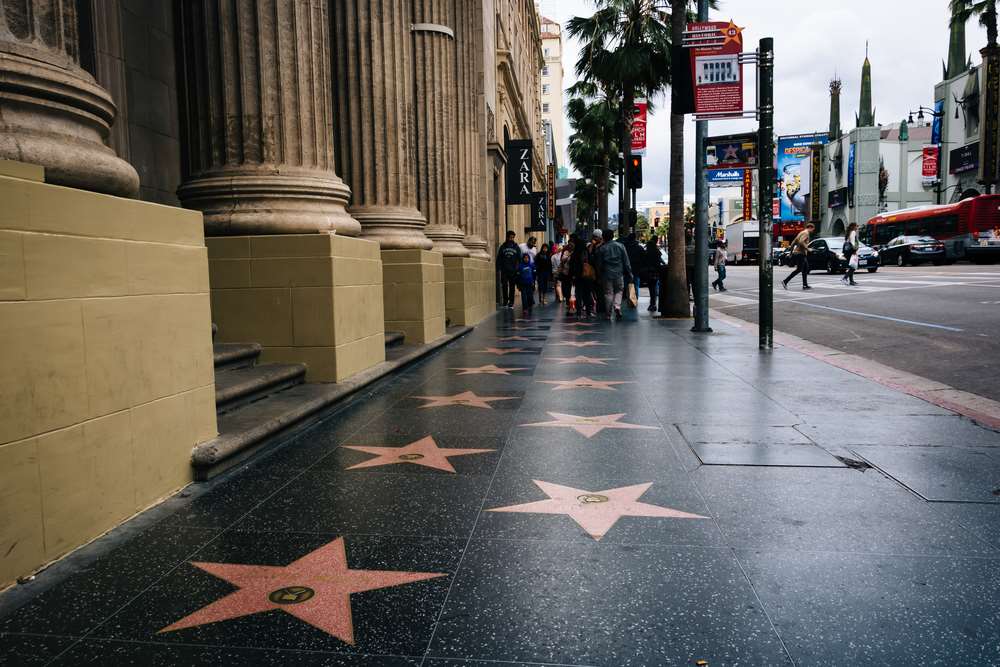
<point>588,271</point>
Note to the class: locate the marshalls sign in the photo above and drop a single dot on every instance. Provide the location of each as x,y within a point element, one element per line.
<point>519,172</point>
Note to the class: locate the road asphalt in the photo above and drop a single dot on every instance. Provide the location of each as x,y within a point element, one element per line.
<point>942,323</point>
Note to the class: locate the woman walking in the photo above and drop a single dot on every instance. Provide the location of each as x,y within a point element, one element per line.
<point>543,267</point>
<point>720,265</point>
<point>652,265</point>
<point>566,273</point>
<point>851,253</point>
<point>582,270</point>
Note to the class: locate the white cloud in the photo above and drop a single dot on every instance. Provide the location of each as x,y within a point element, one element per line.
<point>907,41</point>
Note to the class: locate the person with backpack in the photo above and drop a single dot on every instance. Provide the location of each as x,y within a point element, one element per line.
<point>508,263</point>
<point>526,277</point>
<point>851,253</point>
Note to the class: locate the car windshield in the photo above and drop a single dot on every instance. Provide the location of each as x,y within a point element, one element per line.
<point>926,239</point>
<point>835,244</point>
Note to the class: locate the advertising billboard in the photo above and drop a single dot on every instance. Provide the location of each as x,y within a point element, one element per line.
<point>795,174</point>
<point>724,177</point>
<point>715,68</point>
<point>639,118</point>
<point>733,151</point>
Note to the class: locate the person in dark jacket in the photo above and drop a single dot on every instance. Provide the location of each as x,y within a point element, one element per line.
<point>508,263</point>
<point>543,268</point>
<point>614,271</point>
<point>583,279</point>
<point>652,264</point>
<point>526,282</point>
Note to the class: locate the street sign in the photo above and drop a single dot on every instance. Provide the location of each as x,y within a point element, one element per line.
<point>519,158</point>
<point>723,177</point>
<point>716,69</point>
<point>639,118</point>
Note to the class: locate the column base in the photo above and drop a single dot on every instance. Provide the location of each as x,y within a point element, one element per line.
<point>314,299</point>
<point>413,283</point>
<point>469,290</point>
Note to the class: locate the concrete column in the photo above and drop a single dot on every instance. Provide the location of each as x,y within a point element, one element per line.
<point>257,118</point>
<point>52,112</point>
<point>109,67</point>
<point>433,31</point>
<point>373,99</point>
<point>471,112</point>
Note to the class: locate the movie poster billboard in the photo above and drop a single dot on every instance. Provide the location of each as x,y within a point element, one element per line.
<point>929,166</point>
<point>794,173</point>
<point>639,118</point>
<point>733,151</point>
<point>716,70</point>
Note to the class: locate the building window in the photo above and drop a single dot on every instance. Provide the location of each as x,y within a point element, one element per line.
<point>545,52</point>
<point>545,108</point>
<point>545,70</point>
<point>546,88</point>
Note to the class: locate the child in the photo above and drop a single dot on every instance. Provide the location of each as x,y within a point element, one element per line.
<point>720,265</point>
<point>526,282</point>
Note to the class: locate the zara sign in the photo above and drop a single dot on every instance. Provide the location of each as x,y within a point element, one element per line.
<point>519,189</point>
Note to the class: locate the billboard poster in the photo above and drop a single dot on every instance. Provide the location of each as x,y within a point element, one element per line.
<point>518,171</point>
<point>850,176</point>
<point>639,117</point>
<point>734,151</point>
<point>794,171</point>
<point>716,70</point>
<point>539,216</point>
<point>936,126</point>
<point>724,177</point>
<point>929,167</point>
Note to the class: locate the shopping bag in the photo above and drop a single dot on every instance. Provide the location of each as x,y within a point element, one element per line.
<point>633,299</point>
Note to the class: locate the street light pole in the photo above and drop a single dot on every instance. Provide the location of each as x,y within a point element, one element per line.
<point>700,286</point>
<point>765,148</point>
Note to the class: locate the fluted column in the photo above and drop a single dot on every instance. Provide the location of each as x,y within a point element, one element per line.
<point>373,101</point>
<point>52,112</point>
<point>436,123</point>
<point>471,109</point>
<point>257,118</point>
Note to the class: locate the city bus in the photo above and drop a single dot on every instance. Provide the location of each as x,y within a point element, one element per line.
<point>956,225</point>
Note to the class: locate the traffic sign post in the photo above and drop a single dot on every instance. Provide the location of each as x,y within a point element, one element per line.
<point>765,143</point>
<point>701,324</point>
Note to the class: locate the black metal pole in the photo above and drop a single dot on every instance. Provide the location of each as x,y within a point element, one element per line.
<point>700,286</point>
<point>765,148</point>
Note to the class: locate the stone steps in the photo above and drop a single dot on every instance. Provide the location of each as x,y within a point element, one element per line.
<point>239,387</point>
<point>394,339</point>
<point>235,355</point>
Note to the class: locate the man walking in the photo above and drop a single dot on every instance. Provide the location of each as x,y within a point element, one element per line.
<point>614,269</point>
<point>800,255</point>
<point>508,263</point>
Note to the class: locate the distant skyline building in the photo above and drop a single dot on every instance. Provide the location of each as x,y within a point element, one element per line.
<point>551,86</point>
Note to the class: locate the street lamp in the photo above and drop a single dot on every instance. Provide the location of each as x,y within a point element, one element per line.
<point>920,113</point>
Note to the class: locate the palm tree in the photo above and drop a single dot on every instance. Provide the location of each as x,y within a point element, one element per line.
<point>593,147</point>
<point>986,10</point>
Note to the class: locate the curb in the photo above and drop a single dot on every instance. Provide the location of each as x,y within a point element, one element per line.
<point>984,411</point>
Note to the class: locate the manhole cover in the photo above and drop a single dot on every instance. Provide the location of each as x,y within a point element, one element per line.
<point>592,498</point>
<point>291,595</point>
<point>410,457</point>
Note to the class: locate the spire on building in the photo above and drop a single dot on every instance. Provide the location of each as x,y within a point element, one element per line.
<point>835,88</point>
<point>957,55</point>
<point>866,116</point>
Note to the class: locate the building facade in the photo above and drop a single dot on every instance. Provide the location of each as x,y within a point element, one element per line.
<point>552,100</point>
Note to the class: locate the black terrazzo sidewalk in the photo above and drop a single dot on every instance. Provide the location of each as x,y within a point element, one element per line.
<point>615,494</point>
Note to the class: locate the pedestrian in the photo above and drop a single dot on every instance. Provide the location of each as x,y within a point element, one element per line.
<point>556,263</point>
<point>508,262</point>
<point>615,271</point>
<point>653,263</point>
<point>529,247</point>
<point>526,282</point>
<point>636,258</point>
<point>566,273</point>
<point>543,267</point>
<point>800,257</point>
<point>583,274</point>
<point>720,264</point>
<point>596,241</point>
<point>851,253</point>
<point>689,258</point>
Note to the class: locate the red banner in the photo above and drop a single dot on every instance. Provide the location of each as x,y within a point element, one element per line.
<point>930,164</point>
<point>639,127</point>
<point>716,70</point>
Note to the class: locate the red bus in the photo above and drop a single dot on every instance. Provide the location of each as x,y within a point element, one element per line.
<point>956,225</point>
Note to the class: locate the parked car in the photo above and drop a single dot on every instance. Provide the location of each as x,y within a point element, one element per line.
<point>904,250</point>
<point>828,253</point>
<point>985,248</point>
<point>782,256</point>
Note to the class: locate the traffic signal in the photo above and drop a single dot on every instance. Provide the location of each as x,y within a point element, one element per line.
<point>635,172</point>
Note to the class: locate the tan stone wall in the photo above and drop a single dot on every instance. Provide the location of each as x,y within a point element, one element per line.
<point>106,377</point>
<point>309,298</point>
<point>413,284</point>
<point>470,290</point>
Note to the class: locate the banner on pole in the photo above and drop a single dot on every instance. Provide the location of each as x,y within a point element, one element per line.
<point>748,195</point>
<point>929,167</point>
<point>639,118</point>
<point>550,191</point>
<point>715,67</point>
<point>519,158</point>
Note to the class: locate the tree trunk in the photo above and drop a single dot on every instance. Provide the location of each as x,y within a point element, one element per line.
<point>675,299</point>
<point>602,201</point>
<point>990,21</point>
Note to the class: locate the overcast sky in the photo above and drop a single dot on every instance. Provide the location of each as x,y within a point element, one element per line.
<point>813,41</point>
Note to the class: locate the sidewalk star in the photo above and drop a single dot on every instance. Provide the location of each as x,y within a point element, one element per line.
<point>579,324</point>
<point>511,339</point>
<point>596,511</point>
<point>585,383</point>
<point>501,350</point>
<point>316,589</point>
<point>589,426</point>
<point>468,399</point>
<point>586,343</point>
<point>490,369</point>
<point>423,452</point>
<point>581,359</point>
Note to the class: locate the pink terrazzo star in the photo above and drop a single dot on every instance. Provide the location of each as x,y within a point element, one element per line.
<point>501,351</point>
<point>581,359</point>
<point>467,399</point>
<point>585,383</point>
<point>489,369</point>
<point>316,589</point>
<point>596,511</point>
<point>512,339</point>
<point>589,426</point>
<point>423,452</point>
<point>586,343</point>
<point>579,324</point>
<point>577,333</point>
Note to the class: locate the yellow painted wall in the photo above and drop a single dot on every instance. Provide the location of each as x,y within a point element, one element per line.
<point>106,373</point>
<point>413,293</point>
<point>470,290</point>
